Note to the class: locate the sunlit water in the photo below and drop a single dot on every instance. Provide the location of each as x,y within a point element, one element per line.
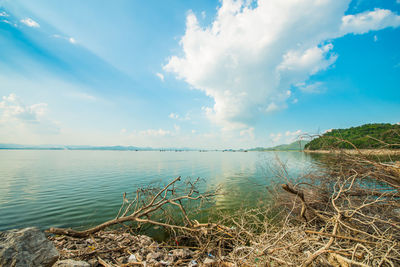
<point>82,188</point>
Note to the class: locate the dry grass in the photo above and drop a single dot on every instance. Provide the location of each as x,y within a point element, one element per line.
<point>346,214</point>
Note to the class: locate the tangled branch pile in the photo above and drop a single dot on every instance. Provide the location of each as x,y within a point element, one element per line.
<point>346,214</point>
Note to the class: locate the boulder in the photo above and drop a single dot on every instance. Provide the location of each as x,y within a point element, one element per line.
<point>71,263</point>
<point>25,248</point>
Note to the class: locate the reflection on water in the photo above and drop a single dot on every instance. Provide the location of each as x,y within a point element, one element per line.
<point>82,188</point>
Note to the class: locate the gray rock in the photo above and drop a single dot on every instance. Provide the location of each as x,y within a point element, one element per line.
<point>25,248</point>
<point>71,263</point>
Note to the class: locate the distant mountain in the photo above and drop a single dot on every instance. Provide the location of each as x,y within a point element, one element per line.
<point>367,136</point>
<point>117,148</point>
<point>295,146</point>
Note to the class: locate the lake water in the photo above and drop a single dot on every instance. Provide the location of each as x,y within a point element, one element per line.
<point>81,188</point>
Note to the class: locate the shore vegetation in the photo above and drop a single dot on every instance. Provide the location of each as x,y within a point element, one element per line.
<point>346,213</point>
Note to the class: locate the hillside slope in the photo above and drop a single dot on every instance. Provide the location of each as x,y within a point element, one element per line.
<point>367,136</point>
<point>295,146</point>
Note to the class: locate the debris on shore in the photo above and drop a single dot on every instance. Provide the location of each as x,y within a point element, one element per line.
<point>118,248</point>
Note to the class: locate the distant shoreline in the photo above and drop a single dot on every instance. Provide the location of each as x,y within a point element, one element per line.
<point>354,151</point>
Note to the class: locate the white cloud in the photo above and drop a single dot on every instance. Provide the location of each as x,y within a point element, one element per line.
<point>251,55</point>
<point>176,116</point>
<point>24,122</point>
<point>272,107</point>
<point>177,128</point>
<point>72,40</point>
<point>248,132</point>
<point>286,138</point>
<point>160,75</point>
<point>30,23</point>
<point>173,116</point>
<point>295,133</point>
<point>81,96</point>
<point>315,87</point>
<point>3,14</point>
<point>9,22</point>
<point>369,21</point>
<point>13,109</point>
<point>375,38</point>
<point>276,137</point>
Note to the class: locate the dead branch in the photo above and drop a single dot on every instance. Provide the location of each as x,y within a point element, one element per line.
<point>141,213</point>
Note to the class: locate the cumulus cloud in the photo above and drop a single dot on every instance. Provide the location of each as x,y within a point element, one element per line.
<point>3,14</point>
<point>30,23</point>
<point>255,51</point>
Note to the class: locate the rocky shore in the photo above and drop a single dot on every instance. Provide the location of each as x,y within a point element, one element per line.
<point>32,247</point>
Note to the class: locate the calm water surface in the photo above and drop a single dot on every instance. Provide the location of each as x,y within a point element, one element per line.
<point>83,188</point>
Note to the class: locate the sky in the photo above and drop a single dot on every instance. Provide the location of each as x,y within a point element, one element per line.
<point>200,74</point>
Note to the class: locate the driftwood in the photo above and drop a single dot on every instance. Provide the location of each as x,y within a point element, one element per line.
<point>140,209</point>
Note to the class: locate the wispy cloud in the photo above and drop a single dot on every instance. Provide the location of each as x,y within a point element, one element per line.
<point>13,109</point>
<point>173,116</point>
<point>287,137</point>
<point>160,75</point>
<point>30,23</point>
<point>28,121</point>
<point>72,40</point>
<point>153,132</point>
<point>315,87</point>
<point>176,116</point>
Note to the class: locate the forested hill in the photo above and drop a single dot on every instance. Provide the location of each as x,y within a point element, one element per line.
<point>363,137</point>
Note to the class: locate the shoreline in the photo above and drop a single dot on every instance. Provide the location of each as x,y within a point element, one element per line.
<point>371,152</point>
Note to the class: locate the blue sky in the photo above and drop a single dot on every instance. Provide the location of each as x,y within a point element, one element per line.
<point>205,74</point>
